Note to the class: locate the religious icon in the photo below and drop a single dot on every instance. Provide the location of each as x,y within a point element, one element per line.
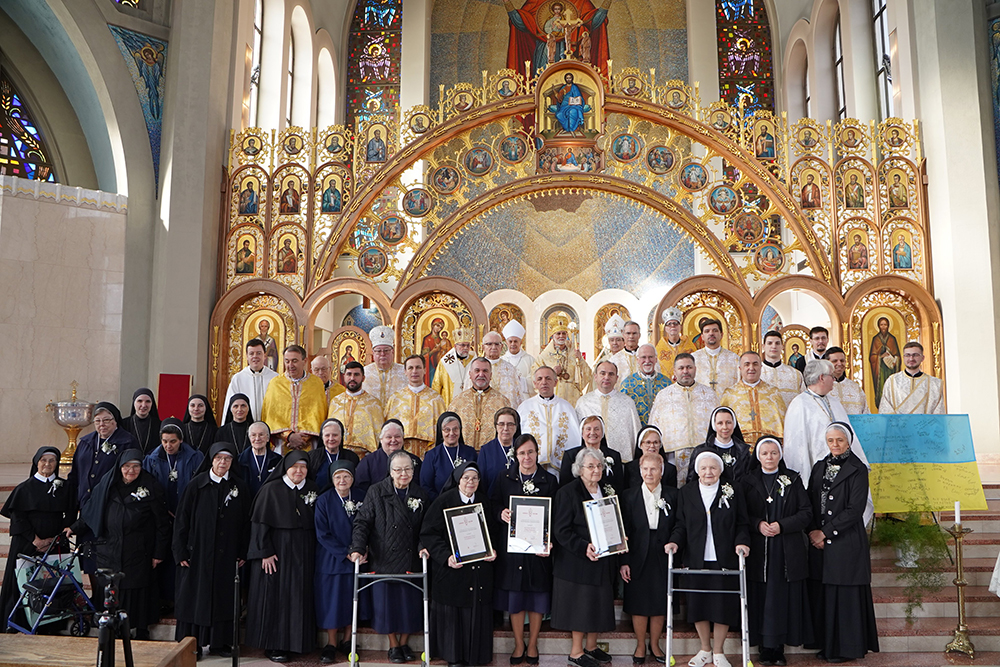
<point>854,193</point>
<point>335,144</point>
<point>419,123</point>
<point>270,346</point>
<point>720,120</point>
<point>434,346</point>
<point>632,86</point>
<point>478,161</point>
<point>807,139</point>
<point>246,259</point>
<point>417,202</point>
<point>544,32</point>
<point>293,144</point>
<point>392,229</point>
<point>289,202</point>
<point>446,180</point>
<point>902,255</point>
<point>723,200</point>
<point>288,256</point>
<point>248,197</point>
<point>898,197</point>
<point>748,228</point>
<point>763,145</point>
<point>506,87</point>
<point>894,139</point>
<point>857,254</point>
<point>794,357</point>
<point>660,159</point>
<point>694,176</point>
<point>769,258</point>
<point>372,261</point>
<point>375,150</point>
<point>850,138</point>
<point>250,146</point>
<point>513,149</point>
<point>345,358</point>
<point>463,101</point>
<point>811,196</point>
<point>626,147</point>
<point>676,98</point>
<point>883,356</point>
<point>570,104</point>
<point>332,199</point>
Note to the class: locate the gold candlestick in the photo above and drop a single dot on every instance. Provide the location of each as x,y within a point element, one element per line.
<point>961,643</point>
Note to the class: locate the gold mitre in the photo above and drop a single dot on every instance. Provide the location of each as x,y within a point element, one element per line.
<point>558,322</point>
<point>464,335</point>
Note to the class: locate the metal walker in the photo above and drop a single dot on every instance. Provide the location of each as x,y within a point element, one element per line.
<point>410,579</point>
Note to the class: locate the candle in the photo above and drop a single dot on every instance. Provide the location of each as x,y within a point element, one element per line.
<point>958,512</point>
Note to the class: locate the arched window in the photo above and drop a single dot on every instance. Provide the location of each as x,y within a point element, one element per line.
<point>22,150</point>
<point>746,69</point>
<point>250,111</point>
<point>838,67</point>
<point>883,60</point>
<point>373,60</point>
<point>291,80</point>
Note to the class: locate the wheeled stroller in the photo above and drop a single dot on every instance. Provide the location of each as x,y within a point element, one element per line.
<point>51,591</point>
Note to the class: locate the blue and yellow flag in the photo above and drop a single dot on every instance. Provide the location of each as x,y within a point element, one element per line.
<point>920,463</point>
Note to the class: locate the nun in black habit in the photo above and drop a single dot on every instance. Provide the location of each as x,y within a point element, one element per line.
<point>127,514</point>
<point>779,513</point>
<point>726,440</point>
<point>144,422</point>
<point>258,460</point>
<point>199,423</point>
<point>461,593</point>
<point>282,554</point>
<point>38,508</point>
<point>236,425</point>
<point>211,533</point>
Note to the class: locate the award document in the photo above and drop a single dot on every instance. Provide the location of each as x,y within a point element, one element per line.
<point>607,532</point>
<point>530,525</point>
<point>470,540</point>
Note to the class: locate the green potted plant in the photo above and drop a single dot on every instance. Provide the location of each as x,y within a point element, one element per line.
<point>922,551</point>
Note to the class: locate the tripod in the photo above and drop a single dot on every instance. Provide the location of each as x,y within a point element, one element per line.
<point>111,623</point>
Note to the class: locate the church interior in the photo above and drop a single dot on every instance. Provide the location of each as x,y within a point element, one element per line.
<point>178,178</point>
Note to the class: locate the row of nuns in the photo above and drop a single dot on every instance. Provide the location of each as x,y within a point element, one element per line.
<point>301,523</point>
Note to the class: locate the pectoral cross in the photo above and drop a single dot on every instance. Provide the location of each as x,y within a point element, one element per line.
<point>770,499</point>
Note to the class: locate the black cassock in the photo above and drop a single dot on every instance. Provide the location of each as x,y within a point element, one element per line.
<point>211,532</point>
<point>35,509</point>
<point>462,598</point>
<point>282,614</point>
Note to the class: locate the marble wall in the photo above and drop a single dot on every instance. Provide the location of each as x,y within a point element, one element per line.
<point>62,259</point>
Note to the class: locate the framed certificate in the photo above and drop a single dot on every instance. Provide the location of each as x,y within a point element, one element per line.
<point>607,532</point>
<point>470,540</point>
<point>530,525</point>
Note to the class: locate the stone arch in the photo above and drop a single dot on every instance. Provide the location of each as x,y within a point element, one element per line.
<point>828,297</point>
<point>405,297</point>
<point>741,301</point>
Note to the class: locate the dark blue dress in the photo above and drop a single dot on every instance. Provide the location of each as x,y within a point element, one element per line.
<point>334,572</point>
<point>256,471</point>
<point>438,465</point>
<point>493,463</point>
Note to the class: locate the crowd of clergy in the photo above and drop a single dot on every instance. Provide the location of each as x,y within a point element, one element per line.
<point>714,456</point>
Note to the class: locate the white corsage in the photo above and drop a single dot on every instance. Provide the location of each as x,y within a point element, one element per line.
<point>458,461</point>
<point>56,483</point>
<point>352,507</point>
<point>309,498</point>
<point>663,506</point>
<point>609,490</point>
<point>108,447</point>
<point>727,458</point>
<point>509,453</point>
<point>173,475</point>
<point>831,473</point>
<point>783,482</point>
<point>414,503</point>
<point>140,493</point>
<point>727,493</point>
<point>608,462</point>
<point>233,492</point>
<point>529,487</point>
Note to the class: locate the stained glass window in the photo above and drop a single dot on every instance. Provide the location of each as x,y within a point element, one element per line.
<point>373,60</point>
<point>746,69</point>
<point>22,150</point>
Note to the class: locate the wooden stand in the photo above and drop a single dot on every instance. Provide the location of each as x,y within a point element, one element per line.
<point>49,651</point>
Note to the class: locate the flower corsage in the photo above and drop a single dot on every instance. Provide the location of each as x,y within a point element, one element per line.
<point>608,462</point>
<point>56,483</point>
<point>727,493</point>
<point>352,507</point>
<point>233,492</point>
<point>309,498</point>
<point>414,503</point>
<point>108,447</point>
<point>609,490</point>
<point>663,506</point>
<point>529,487</point>
<point>727,458</point>
<point>140,493</point>
<point>783,483</point>
<point>831,473</point>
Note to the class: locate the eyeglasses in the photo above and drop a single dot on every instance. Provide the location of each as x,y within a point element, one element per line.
<point>591,467</point>
<point>506,424</point>
<point>132,466</point>
<point>102,420</point>
<point>403,471</point>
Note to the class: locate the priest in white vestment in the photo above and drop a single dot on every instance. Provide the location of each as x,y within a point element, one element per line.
<point>514,332</point>
<point>504,377</point>
<point>847,391</point>
<point>717,367</point>
<point>807,419</point>
<point>681,412</point>
<point>253,379</point>
<point>786,379</point>
<point>911,391</point>
<point>617,410</point>
<point>383,377</point>
<point>552,420</point>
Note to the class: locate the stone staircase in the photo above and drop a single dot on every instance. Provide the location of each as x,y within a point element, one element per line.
<point>916,643</point>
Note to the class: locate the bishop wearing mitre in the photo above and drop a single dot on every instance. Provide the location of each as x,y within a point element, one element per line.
<point>624,360</point>
<point>573,375</point>
<point>383,377</point>
<point>514,332</point>
<point>449,378</point>
<point>672,343</point>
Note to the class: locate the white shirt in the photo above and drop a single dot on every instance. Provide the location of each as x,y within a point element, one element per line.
<point>39,477</point>
<point>649,499</point>
<point>290,485</point>
<point>708,494</point>
<point>215,478</point>
<point>254,385</point>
